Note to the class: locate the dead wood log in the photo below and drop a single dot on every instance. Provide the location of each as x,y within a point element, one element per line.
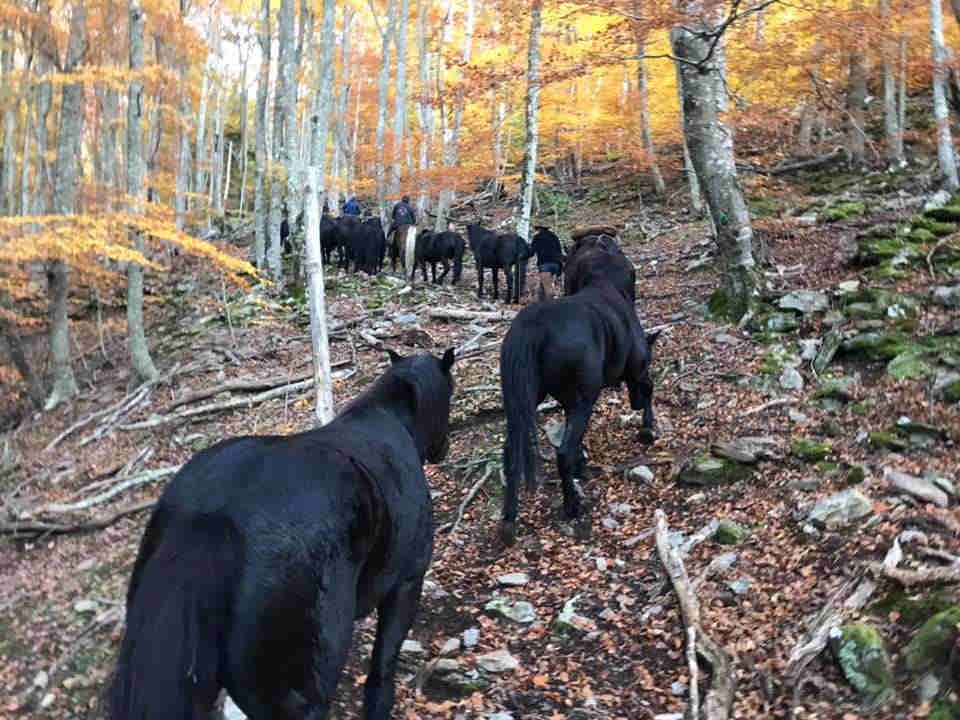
<point>922,576</point>
<point>445,313</point>
<point>452,526</point>
<point>818,161</point>
<point>718,701</point>
<point>33,527</point>
<point>142,478</point>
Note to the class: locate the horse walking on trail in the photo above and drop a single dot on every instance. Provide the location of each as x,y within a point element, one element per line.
<point>264,549</point>
<point>570,348</point>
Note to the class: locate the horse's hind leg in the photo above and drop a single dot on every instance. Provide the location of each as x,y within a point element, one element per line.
<point>395,616</point>
<point>570,461</point>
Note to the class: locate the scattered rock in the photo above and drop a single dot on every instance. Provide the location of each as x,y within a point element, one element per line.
<point>497,661</point>
<point>947,295</point>
<point>806,301</point>
<point>809,348</point>
<point>946,387</point>
<point>450,647</point>
<point>641,472</point>
<point>831,343</point>
<point>888,440</point>
<point>413,647</point>
<point>740,586</point>
<point>806,484</point>
<point>85,606</point>
<point>514,579</point>
<point>470,637</point>
<point>48,700</point>
<point>864,659</point>
<point>730,532</point>
<point>707,470</point>
<point>555,433</point>
<point>41,680</point>
<point>791,379</point>
<point>841,508</point>
<point>797,416</point>
<point>931,645</point>
<point>568,621</point>
<point>405,318</point>
<point>918,487</point>
<point>519,612</point>
<point>837,388</point>
<point>809,450</point>
<point>87,564</point>
<point>781,322</point>
<point>929,687</point>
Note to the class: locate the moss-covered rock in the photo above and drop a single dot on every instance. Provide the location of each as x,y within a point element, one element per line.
<point>880,345</point>
<point>856,475</point>
<point>707,470</point>
<point>844,211</point>
<point>931,644</point>
<point>910,365</point>
<point>945,710</point>
<point>921,236</point>
<point>838,388</point>
<point>764,206</point>
<point>888,440</point>
<point>947,213</point>
<point>809,450</point>
<point>936,227</point>
<point>730,532</point>
<point>863,657</point>
<point>912,609</point>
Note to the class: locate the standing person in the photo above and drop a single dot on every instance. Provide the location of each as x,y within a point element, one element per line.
<point>403,213</point>
<point>351,207</point>
<point>549,253</point>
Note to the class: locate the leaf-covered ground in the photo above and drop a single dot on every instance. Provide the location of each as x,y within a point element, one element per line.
<point>61,594</point>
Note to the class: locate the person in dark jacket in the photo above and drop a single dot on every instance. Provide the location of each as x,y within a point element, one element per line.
<point>403,213</point>
<point>549,253</point>
<point>351,207</point>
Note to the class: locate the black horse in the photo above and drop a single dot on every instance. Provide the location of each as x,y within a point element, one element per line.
<point>439,247</point>
<point>594,258</point>
<point>506,251</point>
<point>263,550</point>
<point>570,348</point>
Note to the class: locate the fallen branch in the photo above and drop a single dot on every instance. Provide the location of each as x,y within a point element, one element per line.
<point>41,528</point>
<point>457,314</point>
<point>481,388</point>
<point>767,405</point>
<point>718,702</point>
<point>923,576</point>
<point>803,164</point>
<point>230,404</point>
<point>479,350</point>
<point>241,385</point>
<point>142,478</point>
<point>452,526</point>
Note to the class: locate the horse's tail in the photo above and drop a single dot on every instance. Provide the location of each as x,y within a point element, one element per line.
<point>168,662</point>
<point>519,381</point>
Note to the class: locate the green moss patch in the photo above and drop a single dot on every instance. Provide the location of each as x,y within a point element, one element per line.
<point>931,644</point>
<point>809,450</point>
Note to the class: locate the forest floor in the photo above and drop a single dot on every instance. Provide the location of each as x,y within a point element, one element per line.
<point>61,594</point>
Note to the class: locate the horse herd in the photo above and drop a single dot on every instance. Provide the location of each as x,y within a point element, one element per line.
<point>263,549</point>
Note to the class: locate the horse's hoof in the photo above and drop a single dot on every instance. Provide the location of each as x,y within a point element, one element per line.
<point>508,532</point>
<point>647,435</point>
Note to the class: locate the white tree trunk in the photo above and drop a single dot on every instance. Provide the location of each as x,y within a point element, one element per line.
<point>200,152</point>
<point>320,121</point>
<point>293,160</point>
<point>902,94</point>
<point>383,101</point>
<point>244,130</point>
<point>318,310</point>
<point>260,120</point>
<point>424,106</point>
<point>499,111</point>
<point>711,151</point>
<point>533,108</point>
<point>139,352</point>
<point>40,199</point>
<point>856,103</point>
<point>281,143</point>
<point>948,162</point>
<point>8,199</point>
<point>400,101</point>
<point>645,129</point>
<point>69,137</point>
<point>25,165</point>
<point>693,182</point>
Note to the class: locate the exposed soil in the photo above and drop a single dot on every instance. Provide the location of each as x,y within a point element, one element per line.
<point>626,663</point>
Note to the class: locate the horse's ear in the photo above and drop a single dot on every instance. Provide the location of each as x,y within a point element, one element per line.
<point>447,361</point>
<point>394,356</point>
<point>652,337</point>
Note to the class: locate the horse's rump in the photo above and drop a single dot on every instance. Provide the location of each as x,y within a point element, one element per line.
<point>592,266</point>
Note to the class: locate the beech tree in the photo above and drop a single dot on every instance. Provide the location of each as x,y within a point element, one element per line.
<point>260,121</point>
<point>695,45</point>
<point>945,153</point>
<point>533,107</point>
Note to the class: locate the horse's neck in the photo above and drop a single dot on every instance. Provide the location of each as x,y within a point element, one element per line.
<point>387,405</point>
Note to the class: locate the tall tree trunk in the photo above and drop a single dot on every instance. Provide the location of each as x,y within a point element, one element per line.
<point>533,109</point>
<point>40,199</point>
<point>260,120</point>
<point>201,148</point>
<point>12,102</point>
<point>244,130</point>
<point>856,104</point>
<point>693,182</point>
<point>891,126</point>
<point>25,163</point>
<point>711,151</point>
<point>69,138</point>
<point>642,87</point>
<point>948,162</point>
<point>282,145</point>
<point>902,94</point>
<point>155,125</point>
<point>341,145</point>
<point>139,352</point>
<point>295,157</point>
<point>498,109</point>
<point>183,152</point>
<point>320,122</point>
<point>424,105</point>
<point>400,101</point>
<point>383,101</point>
<point>318,315</point>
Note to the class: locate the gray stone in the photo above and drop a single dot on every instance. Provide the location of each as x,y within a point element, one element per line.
<point>413,647</point>
<point>809,348</point>
<point>697,497</point>
<point>937,200</point>
<point>943,483</point>
<point>740,586</point>
<point>791,379</point>
<point>730,532</point>
<point>470,637</point>
<point>514,579</point>
<point>497,661</point>
<point>568,621</point>
<point>519,612</point>
<point>797,416</point>
<point>678,688</point>
<point>500,716</point>
<point>929,687</point>
<point>555,433</point>
<point>48,700</point>
<point>838,388</point>
<point>806,484</point>
<point>831,343</point>
<point>918,487</point>
<point>41,680</point>
<point>85,606</point>
<point>446,665</point>
<point>609,523</point>
<point>806,301</point>
<point>781,322</point>
<point>87,564</point>
<point>948,295</point>
<point>621,508</point>
<point>946,386</point>
<point>834,317</point>
<point>641,472</point>
<point>450,647</point>
<point>405,319</point>
<point>847,287</point>
<point>841,508</point>
<point>726,339</point>
<point>864,659</point>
